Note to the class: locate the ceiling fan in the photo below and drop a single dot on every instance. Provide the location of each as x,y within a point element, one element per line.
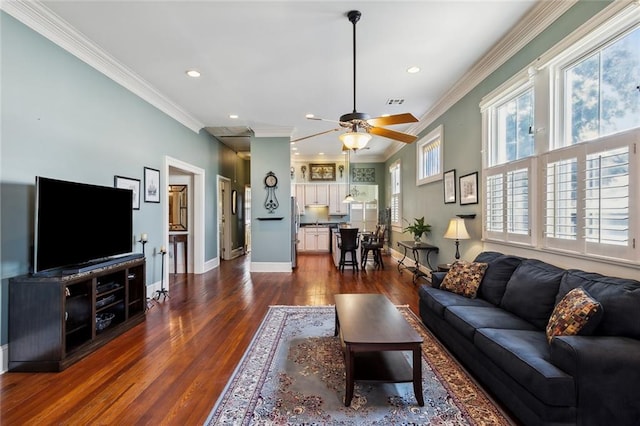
<point>354,121</point>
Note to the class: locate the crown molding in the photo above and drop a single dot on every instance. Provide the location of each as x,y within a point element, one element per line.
<point>530,26</point>
<point>42,20</point>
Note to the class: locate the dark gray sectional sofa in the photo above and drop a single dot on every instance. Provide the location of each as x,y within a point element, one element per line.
<point>500,337</point>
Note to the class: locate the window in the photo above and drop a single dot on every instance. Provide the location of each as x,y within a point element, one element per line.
<point>395,203</point>
<point>588,197</point>
<point>579,157</point>
<point>601,90</point>
<point>507,202</point>
<point>429,157</point>
<point>511,123</point>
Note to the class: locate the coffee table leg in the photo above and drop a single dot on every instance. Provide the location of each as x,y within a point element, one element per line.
<point>417,375</point>
<point>348,361</point>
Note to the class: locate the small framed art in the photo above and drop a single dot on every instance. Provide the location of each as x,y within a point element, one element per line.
<point>151,185</point>
<point>449,183</point>
<point>469,189</point>
<point>132,184</point>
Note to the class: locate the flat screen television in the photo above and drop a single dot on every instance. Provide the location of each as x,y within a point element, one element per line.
<point>80,224</point>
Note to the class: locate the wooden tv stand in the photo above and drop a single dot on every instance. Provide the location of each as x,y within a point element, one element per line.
<point>52,319</point>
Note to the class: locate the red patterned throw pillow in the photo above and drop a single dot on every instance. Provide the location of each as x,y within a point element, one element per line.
<point>464,278</point>
<point>576,313</point>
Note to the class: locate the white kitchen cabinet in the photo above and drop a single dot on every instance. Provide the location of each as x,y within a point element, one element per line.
<point>316,239</point>
<point>337,194</point>
<point>316,194</point>
<point>299,190</point>
<point>301,236</point>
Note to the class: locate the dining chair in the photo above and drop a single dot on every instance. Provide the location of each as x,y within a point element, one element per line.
<point>374,244</point>
<point>348,245</point>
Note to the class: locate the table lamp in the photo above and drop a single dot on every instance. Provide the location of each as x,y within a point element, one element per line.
<point>457,231</point>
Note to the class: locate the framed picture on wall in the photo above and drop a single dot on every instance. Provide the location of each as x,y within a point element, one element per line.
<point>469,189</point>
<point>132,184</point>
<point>322,171</point>
<point>449,183</point>
<point>151,185</point>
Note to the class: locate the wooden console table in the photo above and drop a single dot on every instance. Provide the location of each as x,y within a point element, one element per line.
<point>174,239</point>
<point>415,250</point>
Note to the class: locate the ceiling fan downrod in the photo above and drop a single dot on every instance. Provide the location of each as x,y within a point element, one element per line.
<point>354,17</point>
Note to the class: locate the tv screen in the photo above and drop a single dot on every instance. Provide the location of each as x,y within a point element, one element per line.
<point>77,223</point>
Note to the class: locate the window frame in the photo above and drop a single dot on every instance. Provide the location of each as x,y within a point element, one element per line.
<point>546,75</point>
<point>395,179</point>
<point>433,138</point>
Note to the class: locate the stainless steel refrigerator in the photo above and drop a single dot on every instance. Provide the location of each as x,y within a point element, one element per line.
<point>295,225</point>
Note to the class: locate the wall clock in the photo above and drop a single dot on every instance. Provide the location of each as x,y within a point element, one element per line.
<point>270,184</point>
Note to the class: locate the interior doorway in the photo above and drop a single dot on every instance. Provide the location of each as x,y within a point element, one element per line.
<point>196,177</point>
<point>247,219</point>
<point>224,218</point>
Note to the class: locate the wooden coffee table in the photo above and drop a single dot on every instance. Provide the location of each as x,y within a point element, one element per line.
<point>373,333</point>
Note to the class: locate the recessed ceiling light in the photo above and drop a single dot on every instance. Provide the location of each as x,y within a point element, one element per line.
<point>233,115</point>
<point>293,148</point>
<point>321,153</point>
<point>193,73</point>
<point>297,153</point>
<point>309,115</point>
<point>413,69</point>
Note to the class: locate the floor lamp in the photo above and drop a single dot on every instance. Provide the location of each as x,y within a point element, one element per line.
<point>457,231</point>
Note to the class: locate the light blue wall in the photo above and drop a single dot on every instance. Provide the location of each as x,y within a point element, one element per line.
<point>270,239</point>
<point>463,142</point>
<point>63,119</point>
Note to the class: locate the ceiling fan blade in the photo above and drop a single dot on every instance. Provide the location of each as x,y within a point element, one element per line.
<point>392,134</point>
<point>392,119</point>
<point>315,134</point>
<point>322,119</point>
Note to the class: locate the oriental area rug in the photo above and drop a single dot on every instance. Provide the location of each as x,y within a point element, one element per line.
<point>293,373</point>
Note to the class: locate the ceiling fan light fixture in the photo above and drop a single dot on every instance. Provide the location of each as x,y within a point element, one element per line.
<point>355,140</point>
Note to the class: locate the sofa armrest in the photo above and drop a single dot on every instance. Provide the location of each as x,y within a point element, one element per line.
<point>606,371</point>
<point>436,278</point>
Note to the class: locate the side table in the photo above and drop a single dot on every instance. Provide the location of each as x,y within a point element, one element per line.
<point>415,248</point>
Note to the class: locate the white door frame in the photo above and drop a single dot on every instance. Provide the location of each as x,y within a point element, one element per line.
<point>224,218</point>
<point>198,228</point>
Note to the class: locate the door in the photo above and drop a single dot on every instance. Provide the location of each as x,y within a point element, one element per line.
<point>224,216</point>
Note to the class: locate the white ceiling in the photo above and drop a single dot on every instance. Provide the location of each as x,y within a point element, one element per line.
<point>273,62</point>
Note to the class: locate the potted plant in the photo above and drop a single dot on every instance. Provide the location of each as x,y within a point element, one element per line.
<point>418,228</point>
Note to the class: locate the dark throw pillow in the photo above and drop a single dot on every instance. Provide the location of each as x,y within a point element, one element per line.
<point>576,313</point>
<point>464,278</point>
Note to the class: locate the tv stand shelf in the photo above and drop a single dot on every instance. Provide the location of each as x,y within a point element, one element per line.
<point>52,319</point>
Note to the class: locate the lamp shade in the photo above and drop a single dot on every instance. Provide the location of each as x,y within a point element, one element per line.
<point>355,140</point>
<point>348,199</point>
<point>457,230</point>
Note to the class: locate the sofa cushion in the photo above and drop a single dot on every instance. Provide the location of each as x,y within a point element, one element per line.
<point>525,356</point>
<point>487,256</point>
<point>497,275</point>
<point>619,297</point>
<point>437,300</point>
<point>576,313</point>
<point>464,278</point>
<point>466,319</point>
<point>531,291</point>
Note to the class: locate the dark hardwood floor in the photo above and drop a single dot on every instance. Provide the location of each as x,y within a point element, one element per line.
<point>172,368</point>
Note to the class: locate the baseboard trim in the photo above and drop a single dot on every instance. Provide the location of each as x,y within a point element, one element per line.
<point>4,358</point>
